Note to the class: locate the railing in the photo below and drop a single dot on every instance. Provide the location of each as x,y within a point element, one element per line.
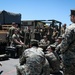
<point>6,27</point>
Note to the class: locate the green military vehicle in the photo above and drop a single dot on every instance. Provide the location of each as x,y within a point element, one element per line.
<point>6,19</point>
<point>3,41</point>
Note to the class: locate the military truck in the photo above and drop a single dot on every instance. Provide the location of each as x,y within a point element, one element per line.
<point>32,24</point>
<point>3,41</point>
<point>6,19</point>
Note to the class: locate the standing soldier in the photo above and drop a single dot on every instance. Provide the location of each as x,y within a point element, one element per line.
<point>11,31</point>
<point>63,28</point>
<point>22,34</point>
<point>37,34</point>
<point>68,47</point>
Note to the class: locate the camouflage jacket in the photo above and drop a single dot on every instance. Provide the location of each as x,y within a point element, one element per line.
<point>35,61</point>
<point>68,45</point>
<point>11,31</point>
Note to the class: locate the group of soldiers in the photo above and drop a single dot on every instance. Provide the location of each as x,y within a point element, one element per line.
<point>47,53</point>
<point>37,58</point>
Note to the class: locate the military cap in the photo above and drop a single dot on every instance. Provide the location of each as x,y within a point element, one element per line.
<point>53,45</point>
<point>44,36</point>
<point>33,41</point>
<point>60,37</point>
<point>72,12</point>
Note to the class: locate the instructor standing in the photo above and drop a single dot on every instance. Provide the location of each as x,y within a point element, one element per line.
<point>68,47</point>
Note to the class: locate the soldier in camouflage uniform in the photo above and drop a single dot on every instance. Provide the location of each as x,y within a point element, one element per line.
<point>17,42</point>
<point>11,31</point>
<point>68,47</point>
<point>53,60</point>
<point>44,43</point>
<point>33,62</point>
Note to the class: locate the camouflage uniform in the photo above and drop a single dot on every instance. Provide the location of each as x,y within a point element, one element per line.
<point>68,50</point>
<point>52,57</point>
<point>11,31</point>
<point>44,42</point>
<point>18,43</point>
<point>33,62</point>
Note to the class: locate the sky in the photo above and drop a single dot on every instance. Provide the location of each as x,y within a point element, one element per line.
<point>40,9</point>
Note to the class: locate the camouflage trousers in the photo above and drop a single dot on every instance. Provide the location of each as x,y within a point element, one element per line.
<point>19,49</point>
<point>26,70</point>
<point>69,69</point>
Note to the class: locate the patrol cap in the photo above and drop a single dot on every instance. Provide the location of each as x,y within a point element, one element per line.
<point>44,36</point>
<point>60,37</point>
<point>33,41</point>
<point>52,45</point>
<point>72,12</point>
